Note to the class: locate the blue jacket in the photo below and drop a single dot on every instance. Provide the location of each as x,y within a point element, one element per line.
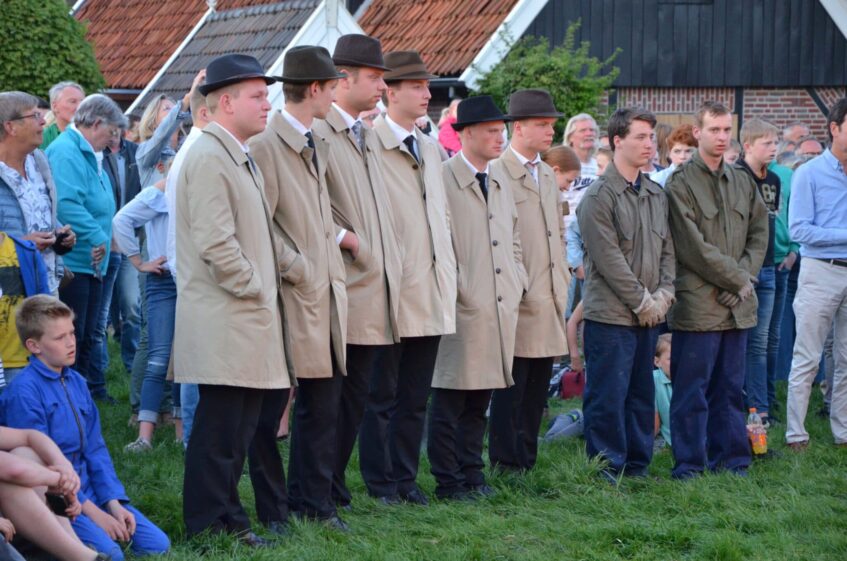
<point>86,200</point>
<point>33,270</point>
<point>61,407</point>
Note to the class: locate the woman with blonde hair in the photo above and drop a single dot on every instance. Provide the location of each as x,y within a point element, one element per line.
<point>158,133</point>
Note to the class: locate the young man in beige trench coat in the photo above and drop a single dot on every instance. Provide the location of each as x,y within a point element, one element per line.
<point>293,162</point>
<point>491,279</point>
<point>229,309</point>
<point>516,411</point>
<point>371,255</point>
<point>392,429</point>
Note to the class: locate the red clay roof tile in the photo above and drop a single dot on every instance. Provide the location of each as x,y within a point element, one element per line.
<point>134,38</point>
<point>447,33</point>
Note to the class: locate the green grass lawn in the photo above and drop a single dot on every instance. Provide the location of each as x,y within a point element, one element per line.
<point>793,506</point>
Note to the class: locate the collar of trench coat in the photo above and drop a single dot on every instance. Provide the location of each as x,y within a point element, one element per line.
<point>466,178</point>
<point>519,172</point>
<point>336,120</point>
<point>297,142</point>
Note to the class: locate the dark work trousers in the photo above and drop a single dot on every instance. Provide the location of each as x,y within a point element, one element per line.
<point>313,442</point>
<point>516,414</point>
<point>620,399</point>
<point>393,425</point>
<point>228,421</point>
<point>707,406</point>
<point>354,395</point>
<point>456,435</point>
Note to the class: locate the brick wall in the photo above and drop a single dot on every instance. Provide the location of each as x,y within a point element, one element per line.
<point>780,106</point>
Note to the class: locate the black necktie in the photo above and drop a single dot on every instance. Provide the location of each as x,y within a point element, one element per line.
<point>409,141</point>
<point>483,184</point>
<point>251,162</point>
<point>311,143</point>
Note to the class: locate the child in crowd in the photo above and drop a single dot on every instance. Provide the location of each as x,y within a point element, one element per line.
<point>22,274</point>
<point>733,152</point>
<point>52,398</point>
<point>681,146</point>
<point>664,390</point>
<point>604,157</point>
<point>565,164</point>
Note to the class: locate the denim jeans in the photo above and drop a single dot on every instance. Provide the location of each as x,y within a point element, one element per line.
<point>161,310</point>
<point>100,349</point>
<point>756,379</point>
<point>707,406</point>
<point>574,295</point>
<point>787,330</point>
<point>620,404</point>
<point>189,397</point>
<point>775,332</point>
<point>83,295</point>
<point>139,361</point>
<point>129,305</point>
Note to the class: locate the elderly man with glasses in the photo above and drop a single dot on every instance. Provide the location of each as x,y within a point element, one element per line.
<point>28,202</point>
<point>87,204</point>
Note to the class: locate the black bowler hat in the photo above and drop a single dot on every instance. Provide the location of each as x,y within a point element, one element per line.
<point>406,65</point>
<point>480,109</point>
<point>230,69</point>
<point>358,50</point>
<point>525,104</point>
<point>307,64</point>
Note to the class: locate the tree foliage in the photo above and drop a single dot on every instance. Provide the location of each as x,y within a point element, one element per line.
<point>576,80</point>
<point>43,45</point>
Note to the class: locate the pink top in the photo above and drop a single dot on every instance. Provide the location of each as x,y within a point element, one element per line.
<point>448,137</point>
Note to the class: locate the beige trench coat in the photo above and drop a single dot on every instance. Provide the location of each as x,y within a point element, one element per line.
<point>360,205</point>
<point>491,280</point>
<point>310,262</point>
<point>541,323</point>
<point>229,327</point>
<point>416,191</point>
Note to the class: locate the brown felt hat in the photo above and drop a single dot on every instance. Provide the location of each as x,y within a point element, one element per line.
<point>526,104</point>
<point>359,51</point>
<point>406,65</point>
<point>307,64</point>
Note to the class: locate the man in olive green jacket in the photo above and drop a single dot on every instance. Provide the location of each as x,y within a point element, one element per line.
<point>720,230</point>
<point>629,275</point>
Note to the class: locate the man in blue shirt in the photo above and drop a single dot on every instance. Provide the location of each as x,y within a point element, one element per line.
<point>817,220</point>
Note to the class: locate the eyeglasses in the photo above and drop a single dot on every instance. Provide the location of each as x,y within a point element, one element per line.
<point>38,116</point>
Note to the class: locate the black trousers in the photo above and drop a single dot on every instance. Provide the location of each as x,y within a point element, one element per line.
<point>230,420</point>
<point>354,396</point>
<point>311,459</point>
<point>456,435</point>
<point>516,415</point>
<point>393,425</point>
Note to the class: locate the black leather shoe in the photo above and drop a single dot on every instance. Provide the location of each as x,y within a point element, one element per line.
<point>347,508</point>
<point>336,523</point>
<point>415,497</point>
<point>483,489</point>
<point>279,529</point>
<point>250,539</point>
<point>389,500</point>
<point>103,557</point>
<point>609,477</point>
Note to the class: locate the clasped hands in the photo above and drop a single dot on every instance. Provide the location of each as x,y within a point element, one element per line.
<point>730,300</point>
<point>654,307</point>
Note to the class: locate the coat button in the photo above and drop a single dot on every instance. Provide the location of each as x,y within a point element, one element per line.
<point>499,298</point>
<point>415,166</point>
<point>497,270</point>
<point>495,242</point>
<point>549,233</point>
<point>491,217</point>
<point>552,265</point>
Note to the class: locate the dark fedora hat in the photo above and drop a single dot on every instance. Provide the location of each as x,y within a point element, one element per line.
<point>525,104</point>
<point>358,50</point>
<point>479,109</point>
<point>307,64</point>
<point>231,69</point>
<point>406,65</point>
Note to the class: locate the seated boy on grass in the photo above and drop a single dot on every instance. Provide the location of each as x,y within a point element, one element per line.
<point>52,398</point>
<point>662,382</point>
